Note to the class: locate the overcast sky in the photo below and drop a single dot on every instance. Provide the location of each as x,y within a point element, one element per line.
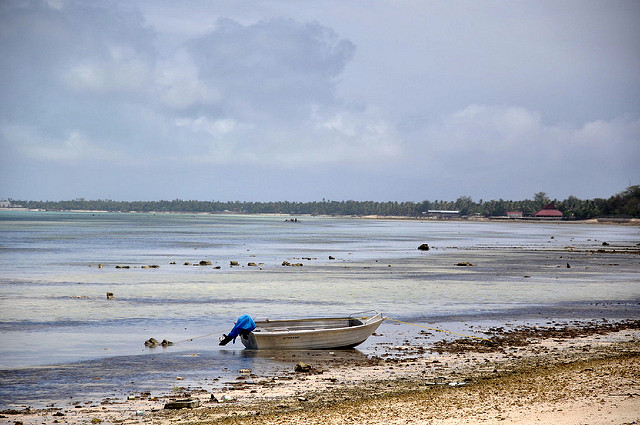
<point>404,100</point>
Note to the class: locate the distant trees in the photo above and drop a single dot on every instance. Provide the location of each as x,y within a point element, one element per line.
<point>540,199</point>
<point>624,204</point>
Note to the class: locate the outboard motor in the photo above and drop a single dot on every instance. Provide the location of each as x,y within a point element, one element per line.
<point>244,325</point>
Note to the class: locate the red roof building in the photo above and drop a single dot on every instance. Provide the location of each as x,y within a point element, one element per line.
<point>549,210</point>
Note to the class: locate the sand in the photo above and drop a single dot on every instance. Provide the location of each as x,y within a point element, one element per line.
<point>586,373</point>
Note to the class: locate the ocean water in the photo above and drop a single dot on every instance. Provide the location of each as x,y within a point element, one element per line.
<point>54,309</point>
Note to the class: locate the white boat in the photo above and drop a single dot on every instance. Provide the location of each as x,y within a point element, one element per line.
<point>312,334</point>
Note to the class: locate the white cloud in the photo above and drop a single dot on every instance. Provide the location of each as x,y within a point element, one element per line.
<point>74,147</point>
<point>343,138</point>
<point>178,83</point>
<point>117,68</point>
<point>359,137</point>
<point>486,127</point>
<point>485,137</point>
<point>128,75</point>
<point>214,128</point>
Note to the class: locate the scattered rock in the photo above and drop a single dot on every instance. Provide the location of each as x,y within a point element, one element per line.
<point>100,266</point>
<point>424,247</point>
<point>501,338</point>
<point>109,295</point>
<point>186,403</point>
<point>605,244</point>
<point>288,264</point>
<point>251,264</point>
<point>303,367</point>
<point>151,342</point>
<point>568,265</point>
<point>122,267</point>
<point>234,263</point>
<point>187,263</point>
<point>465,264</point>
<point>331,257</point>
<point>166,343</point>
<point>205,263</point>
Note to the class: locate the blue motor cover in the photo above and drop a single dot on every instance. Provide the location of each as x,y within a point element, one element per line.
<point>244,325</point>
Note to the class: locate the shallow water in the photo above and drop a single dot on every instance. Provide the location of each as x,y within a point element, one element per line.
<point>53,295</point>
<point>54,309</point>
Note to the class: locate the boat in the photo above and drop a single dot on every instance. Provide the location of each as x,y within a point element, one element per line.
<point>312,334</point>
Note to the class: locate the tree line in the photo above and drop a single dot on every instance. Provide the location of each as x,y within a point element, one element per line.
<point>625,204</point>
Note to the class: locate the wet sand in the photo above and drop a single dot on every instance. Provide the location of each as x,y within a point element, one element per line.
<point>570,373</point>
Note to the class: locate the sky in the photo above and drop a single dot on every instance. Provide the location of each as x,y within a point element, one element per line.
<point>403,100</point>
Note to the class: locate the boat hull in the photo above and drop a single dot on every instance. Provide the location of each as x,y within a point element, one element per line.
<point>310,334</point>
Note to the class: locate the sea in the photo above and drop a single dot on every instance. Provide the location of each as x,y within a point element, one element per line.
<point>59,329</point>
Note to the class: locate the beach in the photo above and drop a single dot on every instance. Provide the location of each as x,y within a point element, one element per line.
<point>558,302</point>
<point>578,373</point>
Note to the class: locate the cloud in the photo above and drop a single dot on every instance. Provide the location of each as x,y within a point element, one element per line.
<point>179,85</point>
<point>74,147</point>
<point>266,95</point>
<point>485,128</point>
<point>261,93</point>
<point>485,144</point>
<point>404,100</point>
<point>277,69</point>
<point>338,138</point>
<point>122,70</point>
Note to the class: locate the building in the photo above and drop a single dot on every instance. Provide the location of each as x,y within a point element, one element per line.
<point>443,213</point>
<point>549,211</point>
<point>514,214</point>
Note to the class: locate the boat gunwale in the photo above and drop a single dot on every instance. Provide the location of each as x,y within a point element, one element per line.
<point>378,318</point>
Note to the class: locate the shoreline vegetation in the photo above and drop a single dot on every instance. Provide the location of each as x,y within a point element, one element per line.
<point>570,373</point>
<point>622,206</point>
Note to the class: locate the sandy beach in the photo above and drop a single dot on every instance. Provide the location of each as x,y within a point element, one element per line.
<point>570,373</point>
<point>557,305</point>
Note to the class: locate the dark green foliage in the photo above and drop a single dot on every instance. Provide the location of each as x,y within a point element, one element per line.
<point>624,204</point>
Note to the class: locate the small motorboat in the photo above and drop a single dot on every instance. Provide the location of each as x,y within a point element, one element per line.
<point>312,334</point>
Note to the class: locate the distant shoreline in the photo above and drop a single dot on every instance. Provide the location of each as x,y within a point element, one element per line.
<point>500,219</point>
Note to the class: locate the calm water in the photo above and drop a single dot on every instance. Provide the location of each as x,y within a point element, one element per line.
<point>53,306</point>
